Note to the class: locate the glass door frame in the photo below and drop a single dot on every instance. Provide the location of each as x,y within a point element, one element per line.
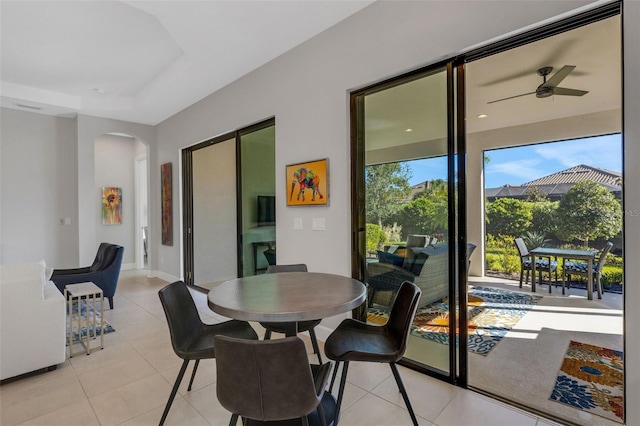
<point>456,131</point>
<point>187,196</point>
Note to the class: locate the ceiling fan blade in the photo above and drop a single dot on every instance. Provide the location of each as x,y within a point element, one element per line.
<point>559,76</point>
<point>568,92</point>
<point>510,97</point>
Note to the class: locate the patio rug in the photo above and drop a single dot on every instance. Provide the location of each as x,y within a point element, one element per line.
<point>492,313</point>
<point>590,379</point>
<point>107,328</point>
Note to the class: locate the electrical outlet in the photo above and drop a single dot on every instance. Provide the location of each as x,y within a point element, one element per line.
<point>317,224</point>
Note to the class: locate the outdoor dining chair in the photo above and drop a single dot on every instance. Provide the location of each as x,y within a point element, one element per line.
<point>542,265</point>
<point>355,340</point>
<point>268,380</point>
<point>190,337</point>
<point>581,268</point>
<point>279,327</point>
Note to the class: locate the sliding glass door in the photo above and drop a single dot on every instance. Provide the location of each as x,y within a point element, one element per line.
<point>258,201</point>
<point>229,206</point>
<point>528,125</point>
<point>405,169</point>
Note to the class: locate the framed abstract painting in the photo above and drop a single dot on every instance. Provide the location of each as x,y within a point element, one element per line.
<point>308,183</point>
<point>111,205</point>
<point>167,204</point>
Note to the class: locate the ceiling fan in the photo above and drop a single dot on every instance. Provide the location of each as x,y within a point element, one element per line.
<point>550,87</point>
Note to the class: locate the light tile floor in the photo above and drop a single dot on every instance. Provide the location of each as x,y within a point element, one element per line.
<point>128,382</point>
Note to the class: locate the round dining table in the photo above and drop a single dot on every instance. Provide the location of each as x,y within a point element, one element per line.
<point>289,297</point>
<point>286,297</point>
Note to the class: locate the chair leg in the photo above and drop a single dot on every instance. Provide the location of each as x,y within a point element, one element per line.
<point>599,281</point>
<point>403,391</point>
<point>193,375</point>
<point>323,419</point>
<point>305,421</point>
<point>314,342</point>
<point>110,302</point>
<point>333,376</point>
<point>234,420</point>
<point>521,276</point>
<point>341,392</point>
<point>267,334</point>
<point>174,391</point>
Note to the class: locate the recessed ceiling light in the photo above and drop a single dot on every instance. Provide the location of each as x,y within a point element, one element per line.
<point>408,130</point>
<point>98,90</point>
<point>483,115</point>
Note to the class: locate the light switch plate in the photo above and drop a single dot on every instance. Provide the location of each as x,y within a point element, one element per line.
<point>297,223</point>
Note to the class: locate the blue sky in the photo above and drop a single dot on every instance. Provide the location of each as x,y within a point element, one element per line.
<point>519,165</point>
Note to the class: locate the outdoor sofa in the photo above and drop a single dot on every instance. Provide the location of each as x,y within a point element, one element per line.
<point>427,267</point>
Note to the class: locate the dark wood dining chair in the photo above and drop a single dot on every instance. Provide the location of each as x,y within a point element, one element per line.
<point>355,340</point>
<point>268,380</point>
<point>302,326</point>
<point>190,337</point>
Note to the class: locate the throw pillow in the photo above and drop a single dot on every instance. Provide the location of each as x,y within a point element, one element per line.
<point>418,264</point>
<point>386,257</point>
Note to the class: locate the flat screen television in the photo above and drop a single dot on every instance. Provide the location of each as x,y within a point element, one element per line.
<point>266,207</point>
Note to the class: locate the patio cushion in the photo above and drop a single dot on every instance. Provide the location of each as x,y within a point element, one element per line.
<point>540,263</point>
<point>578,267</point>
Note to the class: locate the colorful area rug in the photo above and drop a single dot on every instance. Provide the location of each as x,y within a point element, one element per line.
<point>106,328</point>
<point>590,379</point>
<point>492,313</point>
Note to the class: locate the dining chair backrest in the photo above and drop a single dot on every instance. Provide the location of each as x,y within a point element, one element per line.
<point>298,267</point>
<point>265,380</point>
<point>402,313</point>
<point>182,315</point>
<point>522,247</point>
<point>603,256</point>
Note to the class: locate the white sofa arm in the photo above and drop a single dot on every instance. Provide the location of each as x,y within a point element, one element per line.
<point>32,329</point>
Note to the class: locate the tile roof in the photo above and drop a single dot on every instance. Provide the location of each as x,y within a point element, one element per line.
<point>578,174</point>
<point>558,184</point>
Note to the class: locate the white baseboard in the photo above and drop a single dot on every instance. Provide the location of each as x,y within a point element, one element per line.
<point>128,266</point>
<point>163,276</point>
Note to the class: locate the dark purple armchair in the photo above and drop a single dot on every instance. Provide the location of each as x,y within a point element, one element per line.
<point>104,271</point>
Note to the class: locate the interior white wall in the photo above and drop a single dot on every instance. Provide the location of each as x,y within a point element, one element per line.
<point>37,188</point>
<point>115,167</point>
<point>88,130</point>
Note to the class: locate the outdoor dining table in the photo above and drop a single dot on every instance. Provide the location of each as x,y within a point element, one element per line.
<point>289,297</point>
<point>587,255</point>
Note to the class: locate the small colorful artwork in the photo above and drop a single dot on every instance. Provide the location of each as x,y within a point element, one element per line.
<point>309,183</point>
<point>591,379</point>
<point>167,204</point>
<point>111,205</point>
